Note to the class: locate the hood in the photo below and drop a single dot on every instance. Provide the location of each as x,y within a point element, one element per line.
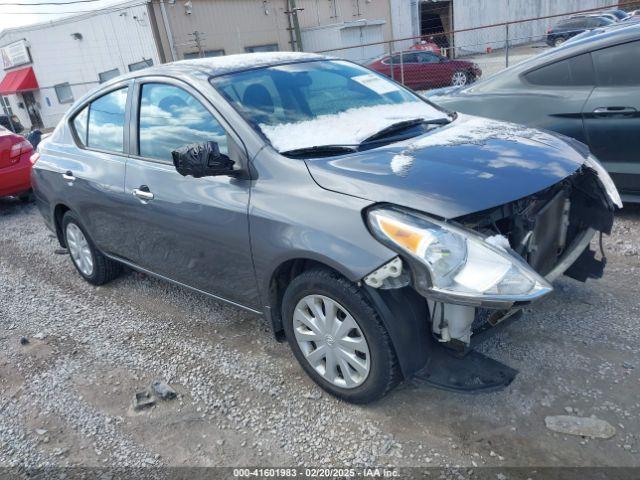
<point>468,166</point>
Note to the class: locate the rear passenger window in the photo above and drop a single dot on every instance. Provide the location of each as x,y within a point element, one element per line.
<point>171,118</point>
<point>618,65</point>
<point>570,72</point>
<point>106,122</point>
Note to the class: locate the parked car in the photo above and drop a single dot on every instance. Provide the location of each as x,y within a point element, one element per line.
<point>587,89</point>
<point>421,70</point>
<point>369,227</point>
<point>427,46</point>
<point>616,12</point>
<point>15,165</point>
<point>570,27</point>
<point>13,124</point>
<point>608,28</point>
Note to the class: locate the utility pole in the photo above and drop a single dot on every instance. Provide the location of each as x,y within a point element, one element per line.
<point>292,12</point>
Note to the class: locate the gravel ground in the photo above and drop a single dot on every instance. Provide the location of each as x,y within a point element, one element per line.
<point>66,396</point>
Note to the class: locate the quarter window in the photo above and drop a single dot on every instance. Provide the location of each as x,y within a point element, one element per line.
<point>569,72</point>
<point>63,92</point>
<point>80,125</point>
<point>106,121</point>
<point>618,65</point>
<point>171,118</point>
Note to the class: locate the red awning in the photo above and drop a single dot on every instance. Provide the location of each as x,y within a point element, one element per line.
<point>21,80</point>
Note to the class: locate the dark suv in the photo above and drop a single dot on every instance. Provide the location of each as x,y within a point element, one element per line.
<point>373,230</point>
<point>565,29</point>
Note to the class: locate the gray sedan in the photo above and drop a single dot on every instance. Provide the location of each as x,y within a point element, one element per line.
<point>375,232</point>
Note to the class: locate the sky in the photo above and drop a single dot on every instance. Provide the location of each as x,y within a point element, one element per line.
<point>19,15</point>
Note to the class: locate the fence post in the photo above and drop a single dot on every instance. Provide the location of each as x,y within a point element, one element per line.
<point>506,49</point>
<point>401,67</point>
<point>391,59</point>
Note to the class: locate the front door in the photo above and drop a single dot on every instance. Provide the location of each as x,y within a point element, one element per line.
<point>612,114</point>
<point>191,230</point>
<point>32,109</point>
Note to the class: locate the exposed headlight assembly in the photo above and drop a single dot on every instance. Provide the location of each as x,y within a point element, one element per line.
<point>593,163</point>
<point>462,267</point>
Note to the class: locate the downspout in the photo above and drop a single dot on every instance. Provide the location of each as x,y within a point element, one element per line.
<point>296,25</point>
<point>167,29</point>
<point>292,41</point>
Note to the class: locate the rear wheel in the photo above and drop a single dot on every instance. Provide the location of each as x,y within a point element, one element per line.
<point>94,267</point>
<point>338,337</point>
<point>458,79</point>
<point>559,41</point>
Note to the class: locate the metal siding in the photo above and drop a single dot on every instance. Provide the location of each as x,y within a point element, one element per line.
<point>474,13</point>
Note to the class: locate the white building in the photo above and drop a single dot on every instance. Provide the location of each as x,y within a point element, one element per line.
<point>45,67</point>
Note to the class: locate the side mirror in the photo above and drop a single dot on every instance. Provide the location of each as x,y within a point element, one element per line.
<point>202,160</point>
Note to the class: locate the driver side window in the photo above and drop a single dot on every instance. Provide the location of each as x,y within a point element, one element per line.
<point>171,118</point>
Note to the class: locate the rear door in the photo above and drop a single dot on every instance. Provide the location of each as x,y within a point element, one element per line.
<point>612,113</point>
<point>89,176</point>
<point>191,230</point>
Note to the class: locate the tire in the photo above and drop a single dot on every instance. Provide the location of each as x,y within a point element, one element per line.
<point>103,269</point>
<point>460,78</point>
<point>326,286</point>
<point>558,41</point>
<point>26,197</point>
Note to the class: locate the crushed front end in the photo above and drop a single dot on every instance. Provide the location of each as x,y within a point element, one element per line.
<point>521,247</point>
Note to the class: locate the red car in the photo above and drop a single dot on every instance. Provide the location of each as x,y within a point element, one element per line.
<point>424,70</point>
<point>15,165</point>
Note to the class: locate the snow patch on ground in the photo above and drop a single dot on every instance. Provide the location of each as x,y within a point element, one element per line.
<point>401,164</point>
<point>349,127</point>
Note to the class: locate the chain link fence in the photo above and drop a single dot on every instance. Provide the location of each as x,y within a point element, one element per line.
<point>459,57</point>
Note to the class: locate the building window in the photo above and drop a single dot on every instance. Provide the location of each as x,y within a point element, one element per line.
<point>63,92</point>
<point>207,53</point>
<point>140,65</point>
<point>108,75</point>
<point>6,106</point>
<point>272,47</point>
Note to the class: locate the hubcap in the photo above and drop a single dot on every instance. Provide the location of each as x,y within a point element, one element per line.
<point>459,78</point>
<point>79,249</point>
<point>331,341</point>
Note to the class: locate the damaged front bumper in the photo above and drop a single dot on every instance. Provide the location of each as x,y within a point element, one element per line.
<point>551,232</point>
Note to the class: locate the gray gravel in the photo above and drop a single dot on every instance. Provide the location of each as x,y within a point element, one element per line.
<point>66,395</point>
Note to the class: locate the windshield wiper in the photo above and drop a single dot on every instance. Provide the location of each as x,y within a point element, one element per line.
<point>320,151</point>
<point>394,128</point>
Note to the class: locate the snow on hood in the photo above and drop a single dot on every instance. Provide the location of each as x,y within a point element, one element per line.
<point>349,127</point>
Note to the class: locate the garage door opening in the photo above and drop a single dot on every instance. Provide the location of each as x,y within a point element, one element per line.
<point>436,18</point>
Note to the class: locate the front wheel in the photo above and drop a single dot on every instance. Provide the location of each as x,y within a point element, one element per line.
<point>94,267</point>
<point>459,79</point>
<point>338,338</point>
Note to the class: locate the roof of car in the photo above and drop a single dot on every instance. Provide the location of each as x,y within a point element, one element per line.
<point>213,66</point>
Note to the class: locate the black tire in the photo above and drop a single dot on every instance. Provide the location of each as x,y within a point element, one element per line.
<point>384,373</point>
<point>26,197</point>
<point>104,269</point>
<point>558,41</point>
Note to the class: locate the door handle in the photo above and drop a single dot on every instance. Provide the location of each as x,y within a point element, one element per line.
<point>608,111</point>
<point>68,176</point>
<point>143,193</point>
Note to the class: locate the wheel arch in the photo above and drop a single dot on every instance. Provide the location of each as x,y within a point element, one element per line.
<point>58,213</point>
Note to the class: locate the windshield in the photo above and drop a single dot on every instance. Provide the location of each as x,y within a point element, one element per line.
<point>319,103</point>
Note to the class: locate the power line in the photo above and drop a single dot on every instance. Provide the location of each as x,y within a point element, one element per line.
<point>14,4</point>
<point>113,8</point>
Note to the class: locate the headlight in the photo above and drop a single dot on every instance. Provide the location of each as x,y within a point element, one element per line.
<point>593,163</point>
<point>460,263</point>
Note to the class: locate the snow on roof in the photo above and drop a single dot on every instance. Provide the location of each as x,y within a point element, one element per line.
<point>349,127</point>
<point>242,61</point>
